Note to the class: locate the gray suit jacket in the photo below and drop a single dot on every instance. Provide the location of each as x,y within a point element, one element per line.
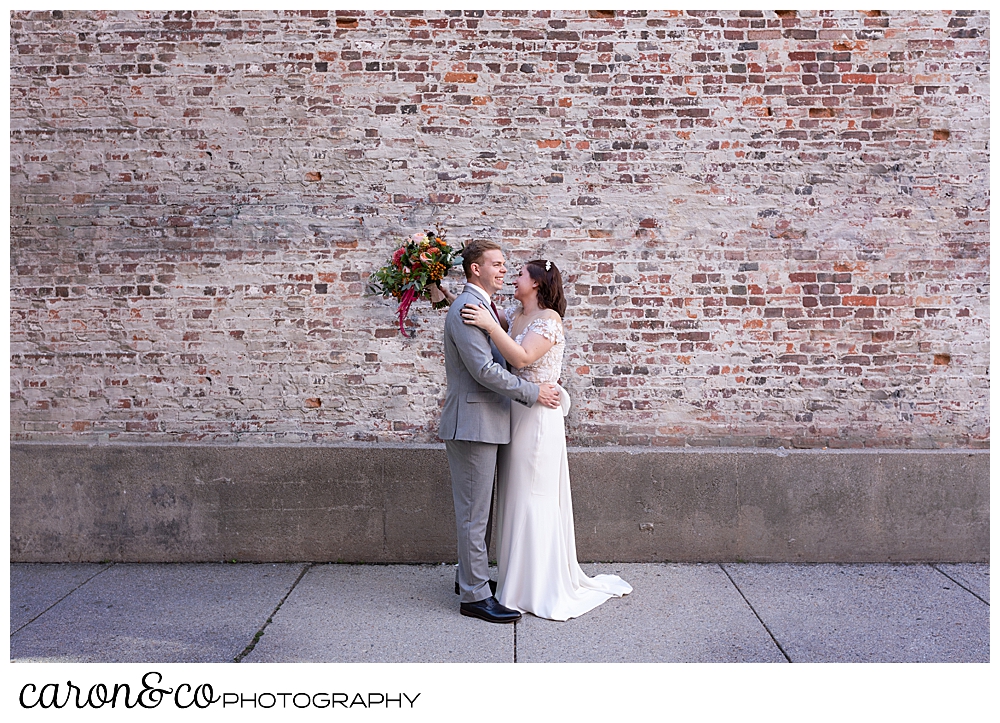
<point>477,404</point>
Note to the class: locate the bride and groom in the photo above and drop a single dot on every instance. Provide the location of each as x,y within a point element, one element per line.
<point>524,443</point>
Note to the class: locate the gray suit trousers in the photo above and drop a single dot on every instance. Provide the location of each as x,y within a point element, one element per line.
<point>472,465</point>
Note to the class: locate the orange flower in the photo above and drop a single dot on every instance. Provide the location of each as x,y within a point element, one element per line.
<point>437,271</point>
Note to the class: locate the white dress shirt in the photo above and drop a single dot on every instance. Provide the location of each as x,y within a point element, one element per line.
<point>482,292</point>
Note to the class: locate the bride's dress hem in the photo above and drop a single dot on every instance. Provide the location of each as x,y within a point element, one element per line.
<point>536,551</point>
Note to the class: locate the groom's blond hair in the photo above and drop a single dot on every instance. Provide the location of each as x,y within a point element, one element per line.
<point>473,253</point>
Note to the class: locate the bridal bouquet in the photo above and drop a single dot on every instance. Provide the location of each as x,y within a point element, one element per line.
<point>420,262</point>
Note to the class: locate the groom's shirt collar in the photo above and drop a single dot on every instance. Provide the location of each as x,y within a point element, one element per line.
<point>481,292</point>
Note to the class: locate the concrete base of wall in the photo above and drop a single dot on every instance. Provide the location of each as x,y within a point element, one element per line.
<point>159,503</point>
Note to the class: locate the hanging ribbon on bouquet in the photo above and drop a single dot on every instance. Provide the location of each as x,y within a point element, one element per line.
<point>409,296</point>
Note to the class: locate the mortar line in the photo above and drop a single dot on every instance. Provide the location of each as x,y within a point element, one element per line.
<point>260,633</point>
<point>754,611</point>
<point>967,589</point>
<point>15,632</point>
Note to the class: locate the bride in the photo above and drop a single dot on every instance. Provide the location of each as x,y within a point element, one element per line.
<point>536,549</point>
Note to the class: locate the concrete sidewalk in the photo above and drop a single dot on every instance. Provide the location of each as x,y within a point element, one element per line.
<point>409,613</point>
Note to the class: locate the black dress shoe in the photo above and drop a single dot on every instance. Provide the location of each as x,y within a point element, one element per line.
<point>491,611</point>
<point>493,588</point>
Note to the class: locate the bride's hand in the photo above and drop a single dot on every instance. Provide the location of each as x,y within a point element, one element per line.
<point>479,316</point>
<point>437,294</point>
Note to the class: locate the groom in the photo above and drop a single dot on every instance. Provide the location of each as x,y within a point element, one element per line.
<point>475,420</point>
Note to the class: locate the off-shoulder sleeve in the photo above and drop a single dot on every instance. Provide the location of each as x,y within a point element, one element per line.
<point>551,329</point>
<point>509,313</point>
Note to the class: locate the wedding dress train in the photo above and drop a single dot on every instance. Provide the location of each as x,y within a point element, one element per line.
<point>536,549</point>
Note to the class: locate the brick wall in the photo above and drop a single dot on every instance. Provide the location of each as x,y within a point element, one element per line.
<point>774,226</point>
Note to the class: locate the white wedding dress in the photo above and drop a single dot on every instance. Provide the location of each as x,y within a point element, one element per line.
<point>536,546</point>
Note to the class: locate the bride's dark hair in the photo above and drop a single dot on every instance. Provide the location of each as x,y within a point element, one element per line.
<point>550,285</point>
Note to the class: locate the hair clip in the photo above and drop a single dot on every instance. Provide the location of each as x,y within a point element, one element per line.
<point>548,266</point>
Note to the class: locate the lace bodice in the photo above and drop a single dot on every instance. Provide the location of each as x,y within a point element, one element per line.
<point>549,367</point>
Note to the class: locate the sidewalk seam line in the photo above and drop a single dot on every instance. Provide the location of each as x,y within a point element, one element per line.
<point>15,632</point>
<point>967,589</point>
<point>260,633</point>
<point>754,611</point>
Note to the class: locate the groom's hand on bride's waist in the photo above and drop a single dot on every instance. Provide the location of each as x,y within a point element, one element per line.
<point>548,395</point>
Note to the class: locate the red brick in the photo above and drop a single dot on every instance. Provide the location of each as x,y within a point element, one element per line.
<point>211,238</point>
